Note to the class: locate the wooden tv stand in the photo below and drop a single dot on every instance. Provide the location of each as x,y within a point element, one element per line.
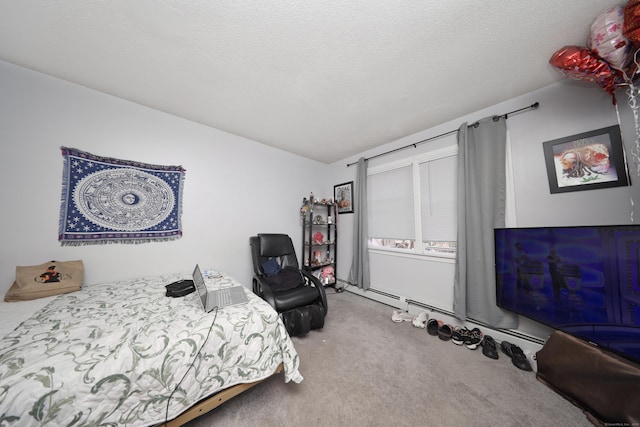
<point>604,385</point>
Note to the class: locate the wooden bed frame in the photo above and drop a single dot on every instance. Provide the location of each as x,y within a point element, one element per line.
<point>213,402</point>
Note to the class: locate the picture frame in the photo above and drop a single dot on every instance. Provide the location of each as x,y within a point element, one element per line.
<point>343,196</point>
<point>586,161</point>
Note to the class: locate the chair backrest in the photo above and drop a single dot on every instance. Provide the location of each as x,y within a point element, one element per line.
<point>266,246</point>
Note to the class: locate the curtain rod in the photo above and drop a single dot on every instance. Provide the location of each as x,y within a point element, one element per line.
<point>415,144</point>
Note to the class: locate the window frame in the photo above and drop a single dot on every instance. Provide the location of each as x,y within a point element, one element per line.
<point>414,162</point>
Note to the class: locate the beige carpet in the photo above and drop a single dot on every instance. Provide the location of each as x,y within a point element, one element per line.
<point>362,369</point>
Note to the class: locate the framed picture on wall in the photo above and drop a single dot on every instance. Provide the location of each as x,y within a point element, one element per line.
<point>586,161</point>
<point>343,195</point>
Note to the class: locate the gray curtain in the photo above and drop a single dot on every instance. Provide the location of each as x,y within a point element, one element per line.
<point>359,274</point>
<point>481,208</point>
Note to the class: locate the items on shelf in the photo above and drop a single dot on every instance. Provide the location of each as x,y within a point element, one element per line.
<point>327,275</point>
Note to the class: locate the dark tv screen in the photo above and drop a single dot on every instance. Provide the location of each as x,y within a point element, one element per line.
<point>580,280</point>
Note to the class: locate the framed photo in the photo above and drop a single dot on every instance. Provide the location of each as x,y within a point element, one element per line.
<point>586,161</point>
<point>343,195</point>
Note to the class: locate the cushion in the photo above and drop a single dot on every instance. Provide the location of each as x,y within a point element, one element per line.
<point>45,280</point>
<point>287,278</point>
<point>271,267</point>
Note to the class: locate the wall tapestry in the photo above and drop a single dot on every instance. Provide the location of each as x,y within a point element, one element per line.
<point>106,200</point>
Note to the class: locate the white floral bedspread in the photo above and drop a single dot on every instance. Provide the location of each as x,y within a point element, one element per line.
<point>113,354</point>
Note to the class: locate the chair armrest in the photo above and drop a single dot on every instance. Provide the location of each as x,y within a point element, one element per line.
<point>314,281</point>
<point>263,290</point>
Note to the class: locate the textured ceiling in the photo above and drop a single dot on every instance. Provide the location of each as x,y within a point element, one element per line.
<point>325,79</point>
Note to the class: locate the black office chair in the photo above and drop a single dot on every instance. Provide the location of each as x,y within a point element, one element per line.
<point>296,294</point>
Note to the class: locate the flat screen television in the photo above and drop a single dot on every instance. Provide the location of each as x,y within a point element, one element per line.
<point>582,280</point>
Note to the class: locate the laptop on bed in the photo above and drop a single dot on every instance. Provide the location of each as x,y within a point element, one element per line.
<point>222,297</point>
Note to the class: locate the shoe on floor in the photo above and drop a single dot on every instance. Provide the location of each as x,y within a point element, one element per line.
<point>516,354</point>
<point>421,320</point>
<point>459,335</point>
<point>489,347</point>
<point>432,326</point>
<point>506,348</point>
<point>474,339</point>
<point>444,332</point>
<point>402,316</point>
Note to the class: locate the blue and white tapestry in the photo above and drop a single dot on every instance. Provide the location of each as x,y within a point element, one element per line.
<point>106,200</point>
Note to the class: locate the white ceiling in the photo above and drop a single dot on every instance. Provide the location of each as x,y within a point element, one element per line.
<point>325,79</point>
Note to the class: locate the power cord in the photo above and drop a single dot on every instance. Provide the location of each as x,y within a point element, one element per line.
<point>166,414</point>
<point>340,290</point>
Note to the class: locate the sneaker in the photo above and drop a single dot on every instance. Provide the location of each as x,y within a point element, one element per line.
<point>474,339</point>
<point>459,335</point>
<point>444,332</point>
<point>432,326</point>
<point>489,347</point>
<point>531,358</point>
<point>421,320</point>
<point>402,316</point>
<point>516,354</point>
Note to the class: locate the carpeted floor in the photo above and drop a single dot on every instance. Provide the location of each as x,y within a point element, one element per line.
<point>362,369</point>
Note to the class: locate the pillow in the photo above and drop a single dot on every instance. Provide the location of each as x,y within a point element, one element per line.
<point>45,280</point>
<point>271,267</point>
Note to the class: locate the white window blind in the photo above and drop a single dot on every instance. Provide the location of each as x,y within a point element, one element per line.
<point>391,208</point>
<point>438,194</point>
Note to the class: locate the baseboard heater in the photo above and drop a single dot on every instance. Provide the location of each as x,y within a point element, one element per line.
<point>386,294</point>
<point>406,301</point>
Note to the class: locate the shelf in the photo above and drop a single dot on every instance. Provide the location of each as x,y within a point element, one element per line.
<point>319,266</point>
<point>315,220</point>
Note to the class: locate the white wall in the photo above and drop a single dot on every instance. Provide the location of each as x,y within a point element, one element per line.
<point>567,108</point>
<point>234,187</point>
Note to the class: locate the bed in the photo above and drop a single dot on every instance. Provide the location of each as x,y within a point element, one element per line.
<point>122,353</point>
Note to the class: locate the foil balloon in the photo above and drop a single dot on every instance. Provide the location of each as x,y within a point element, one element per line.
<point>631,27</point>
<point>607,40</point>
<point>581,63</point>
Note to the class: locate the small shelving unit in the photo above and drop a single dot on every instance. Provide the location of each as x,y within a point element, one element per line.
<point>320,239</point>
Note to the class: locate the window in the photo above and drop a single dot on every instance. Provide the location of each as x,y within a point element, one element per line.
<point>391,243</point>
<point>412,204</point>
<point>438,193</point>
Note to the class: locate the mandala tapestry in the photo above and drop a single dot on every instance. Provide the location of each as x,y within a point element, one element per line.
<point>106,200</point>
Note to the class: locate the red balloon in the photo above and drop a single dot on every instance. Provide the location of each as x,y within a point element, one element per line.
<point>631,27</point>
<point>581,63</point>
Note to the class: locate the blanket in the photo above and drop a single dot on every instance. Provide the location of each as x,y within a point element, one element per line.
<point>123,353</point>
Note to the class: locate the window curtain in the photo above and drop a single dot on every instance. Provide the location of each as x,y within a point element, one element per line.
<point>481,208</point>
<point>359,274</point>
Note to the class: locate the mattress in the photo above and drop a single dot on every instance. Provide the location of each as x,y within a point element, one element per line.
<point>123,353</point>
<point>15,313</point>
